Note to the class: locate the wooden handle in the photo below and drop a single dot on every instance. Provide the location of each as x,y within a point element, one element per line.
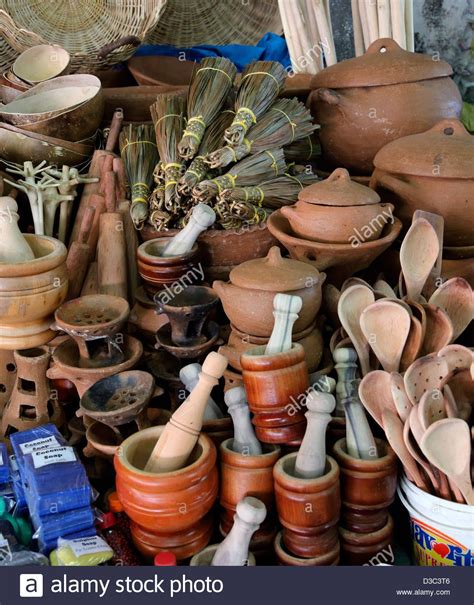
<point>114,130</point>
<point>112,264</point>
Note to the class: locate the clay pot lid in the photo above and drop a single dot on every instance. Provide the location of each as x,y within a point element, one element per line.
<point>447,147</point>
<point>338,190</point>
<point>274,273</point>
<point>383,63</point>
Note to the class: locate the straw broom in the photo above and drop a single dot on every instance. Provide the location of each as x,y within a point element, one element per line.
<point>285,122</point>
<point>139,154</point>
<point>262,82</point>
<point>208,91</point>
<point>168,118</point>
<point>250,171</point>
<point>303,150</point>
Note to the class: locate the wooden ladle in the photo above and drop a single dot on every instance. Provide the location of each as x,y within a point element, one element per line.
<point>385,325</point>
<point>414,449</point>
<point>400,398</point>
<point>351,304</point>
<point>456,299</point>
<point>447,445</point>
<point>418,254</point>
<point>413,344</point>
<point>376,394</point>
<point>439,329</point>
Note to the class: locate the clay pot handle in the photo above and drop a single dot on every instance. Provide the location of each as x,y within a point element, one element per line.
<point>383,45</point>
<point>274,256</point>
<point>340,174</point>
<point>328,95</point>
<point>450,127</point>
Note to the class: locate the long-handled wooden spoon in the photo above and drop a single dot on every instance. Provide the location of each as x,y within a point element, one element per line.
<point>351,304</point>
<point>384,288</point>
<point>456,299</point>
<point>439,329</point>
<point>418,254</point>
<point>415,451</point>
<point>413,344</point>
<point>447,445</point>
<point>437,222</point>
<point>400,398</point>
<point>376,395</point>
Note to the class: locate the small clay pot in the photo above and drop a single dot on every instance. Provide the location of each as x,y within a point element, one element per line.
<point>367,487</point>
<point>161,272</point>
<point>143,320</point>
<point>286,558</point>
<point>308,509</point>
<point>204,558</point>
<point>171,507</point>
<point>275,387</point>
<point>358,548</point>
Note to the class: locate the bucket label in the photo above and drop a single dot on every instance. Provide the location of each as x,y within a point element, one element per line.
<point>433,548</point>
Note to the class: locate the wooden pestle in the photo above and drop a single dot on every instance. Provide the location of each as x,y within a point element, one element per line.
<point>189,376</point>
<point>202,217</point>
<point>111,261</point>
<point>285,312</point>
<point>109,190</point>
<point>98,203</point>
<point>119,170</point>
<point>311,458</point>
<point>347,380</point>
<point>234,549</point>
<point>244,441</point>
<point>131,241</point>
<point>91,283</point>
<point>77,261</point>
<point>13,246</point>
<point>182,431</point>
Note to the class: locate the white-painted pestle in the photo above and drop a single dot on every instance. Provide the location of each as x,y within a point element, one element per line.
<point>189,376</point>
<point>234,549</point>
<point>285,312</point>
<point>13,246</point>
<point>347,380</point>
<point>202,218</point>
<point>245,441</point>
<point>311,457</point>
<point>181,433</point>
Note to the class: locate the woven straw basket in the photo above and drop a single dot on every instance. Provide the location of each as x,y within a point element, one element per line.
<point>96,33</point>
<point>193,22</point>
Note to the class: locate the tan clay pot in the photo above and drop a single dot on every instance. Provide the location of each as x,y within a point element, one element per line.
<point>248,297</point>
<point>432,171</point>
<point>364,103</point>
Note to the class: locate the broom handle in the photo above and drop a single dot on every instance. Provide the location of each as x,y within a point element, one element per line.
<point>357,26</point>
<point>383,11</point>
<point>397,9</point>
<point>410,31</point>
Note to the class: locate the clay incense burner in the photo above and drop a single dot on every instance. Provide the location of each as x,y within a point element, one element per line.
<point>248,297</point>
<point>366,102</point>
<point>143,320</point>
<point>338,210</point>
<point>431,171</point>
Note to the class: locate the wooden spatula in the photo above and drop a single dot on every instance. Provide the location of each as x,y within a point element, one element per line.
<point>418,254</point>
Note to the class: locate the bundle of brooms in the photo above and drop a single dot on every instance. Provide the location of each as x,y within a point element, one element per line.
<point>303,150</point>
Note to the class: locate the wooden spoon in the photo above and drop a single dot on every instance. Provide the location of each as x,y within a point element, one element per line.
<point>419,313</point>
<point>413,344</point>
<point>400,398</point>
<point>450,403</point>
<point>384,288</point>
<point>352,303</point>
<point>426,373</point>
<point>355,281</point>
<point>437,222</point>
<point>385,325</point>
<point>457,357</point>
<point>418,254</point>
<point>393,428</point>
<point>431,408</point>
<point>456,299</point>
<point>439,330</point>
<point>376,395</point>
<point>447,445</point>
<point>417,454</point>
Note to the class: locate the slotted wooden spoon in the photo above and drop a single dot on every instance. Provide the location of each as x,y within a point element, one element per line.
<point>431,408</point>
<point>424,374</point>
<point>400,398</point>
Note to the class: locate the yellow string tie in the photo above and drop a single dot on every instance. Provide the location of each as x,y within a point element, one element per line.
<point>215,69</point>
<point>290,176</point>
<point>171,184</point>
<point>261,73</point>
<point>232,150</point>
<point>310,147</point>
<point>129,143</point>
<point>262,195</point>
<point>292,124</point>
<point>274,164</point>
<point>232,179</point>
<point>189,171</point>
<point>171,165</point>
<point>248,143</point>
<point>250,112</point>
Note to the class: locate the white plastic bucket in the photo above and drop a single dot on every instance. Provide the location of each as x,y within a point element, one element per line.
<point>442,531</point>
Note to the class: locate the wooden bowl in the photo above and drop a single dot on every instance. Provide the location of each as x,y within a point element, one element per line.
<point>161,71</point>
<point>41,62</point>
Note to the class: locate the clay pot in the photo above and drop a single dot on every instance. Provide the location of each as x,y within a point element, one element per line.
<point>367,487</point>
<point>143,320</point>
<point>275,385</point>
<point>7,380</point>
<point>364,103</point>
<point>335,210</point>
<point>248,297</point>
<point>204,558</point>
<point>432,171</point>
<point>168,509</point>
<point>308,509</point>
<point>161,272</point>
<point>358,549</point>
<point>30,292</point>
<point>286,558</point>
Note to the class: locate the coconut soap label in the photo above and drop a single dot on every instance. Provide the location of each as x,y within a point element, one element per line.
<point>53,456</point>
<point>39,444</point>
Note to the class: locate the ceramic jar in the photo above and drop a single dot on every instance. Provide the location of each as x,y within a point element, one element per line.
<point>275,386</point>
<point>248,296</point>
<point>338,210</point>
<point>432,171</point>
<point>309,510</point>
<point>30,293</point>
<point>366,102</point>
<point>162,272</point>
<point>170,511</point>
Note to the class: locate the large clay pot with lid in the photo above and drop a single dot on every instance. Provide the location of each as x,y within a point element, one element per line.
<point>366,102</point>
<point>432,171</point>
<point>338,210</point>
<point>248,296</point>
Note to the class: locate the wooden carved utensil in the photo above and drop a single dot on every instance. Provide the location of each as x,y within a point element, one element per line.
<point>437,222</point>
<point>414,449</point>
<point>375,392</point>
<point>426,373</point>
<point>189,376</point>
<point>457,357</point>
<point>285,312</point>
<point>202,218</point>
<point>182,431</point>
<point>439,329</point>
<point>418,254</point>
<point>386,325</point>
<point>352,303</point>
<point>245,442</point>
<point>455,298</point>
<point>400,398</point>
<point>413,344</point>
<point>447,445</point>
<point>384,288</point>
<point>431,408</point>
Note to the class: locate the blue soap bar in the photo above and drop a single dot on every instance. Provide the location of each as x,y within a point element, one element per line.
<point>55,526</point>
<point>38,439</point>
<point>18,488</point>
<point>4,466</point>
<point>46,546</point>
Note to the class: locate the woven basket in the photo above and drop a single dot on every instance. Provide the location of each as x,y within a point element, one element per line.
<point>187,24</point>
<point>96,33</point>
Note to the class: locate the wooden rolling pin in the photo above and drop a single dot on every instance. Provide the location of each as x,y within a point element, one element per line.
<point>77,262</point>
<point>131,244</point>
<point>111,256</point>
<point>98,203</point>
<point>91,283</point>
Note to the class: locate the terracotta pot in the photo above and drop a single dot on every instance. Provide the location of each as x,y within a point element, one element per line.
<point>248,297</point>
<point>367,487</point>
<point>30,292</point>
<point>431,171</point>
<point>143,320</point>
<point>8,374</point>
<point>308,509</point>
<point>364,103</point>
<point>337,209</point>
<point>274,385</point>
<point>358,549</point>
<point>286,558</point>
<point>161,272</point>
<point>170,507</point>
